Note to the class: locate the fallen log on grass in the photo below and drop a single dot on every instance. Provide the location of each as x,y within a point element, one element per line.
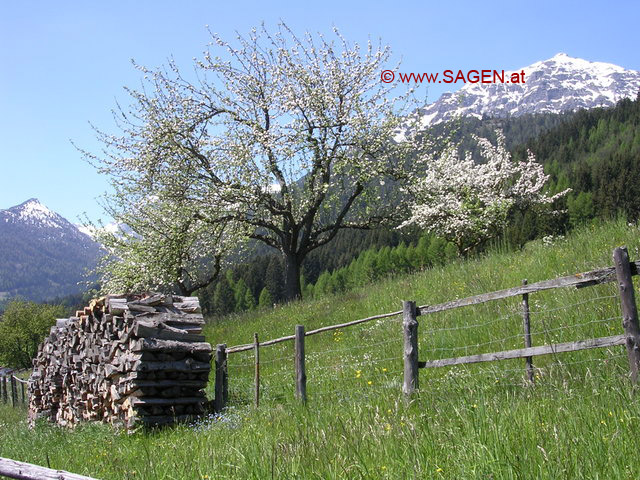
<point>27,471</point>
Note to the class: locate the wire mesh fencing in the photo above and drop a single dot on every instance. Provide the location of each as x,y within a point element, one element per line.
<point>544,332</point>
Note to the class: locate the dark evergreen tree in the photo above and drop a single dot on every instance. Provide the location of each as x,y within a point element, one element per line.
<point>274,278</point>
<point>223,298</point>
<point>249,300</point>
<point>266,300</point>
<point>240,291</point>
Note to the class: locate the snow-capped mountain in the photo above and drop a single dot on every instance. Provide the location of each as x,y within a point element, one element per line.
<point>120,230</point>
<point>43,254</point>
<point>36,215</point>
<point>561,83</point>
<point>89,231</point>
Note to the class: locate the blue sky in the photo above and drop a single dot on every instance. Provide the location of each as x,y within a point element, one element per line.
<point>64,64</point>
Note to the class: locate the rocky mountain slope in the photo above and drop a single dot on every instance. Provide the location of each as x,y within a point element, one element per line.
<point>559,84</point>
<point>42,254</point>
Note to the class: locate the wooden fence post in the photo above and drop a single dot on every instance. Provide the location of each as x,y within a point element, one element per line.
<point>222,379</point>
<point>14,391</point>
<point>526,324</point>
<point>256,350</point>
<point>410,331</point>
<point>24,397</point>
<point>3,388</point>
<point>629,309</point>
<point>301,374</point>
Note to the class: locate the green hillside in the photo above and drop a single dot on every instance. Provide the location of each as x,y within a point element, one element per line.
<point>580,419</point>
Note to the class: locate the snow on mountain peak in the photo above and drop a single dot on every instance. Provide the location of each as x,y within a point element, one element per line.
<point>562,60</point>
<point>33,210</point>
<point>561,83</point>
<point>34,213</point>
<point>87,230</point>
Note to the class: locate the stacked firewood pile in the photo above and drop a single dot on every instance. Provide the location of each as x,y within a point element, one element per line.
<point>125,359</point>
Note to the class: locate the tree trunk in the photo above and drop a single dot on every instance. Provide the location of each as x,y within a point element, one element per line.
<point>292,264</point>
<point>183,290</point>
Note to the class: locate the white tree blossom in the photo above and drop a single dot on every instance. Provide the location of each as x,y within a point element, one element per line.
<point>288,136</point>
<point>468,202</point>
<point>160,244</point>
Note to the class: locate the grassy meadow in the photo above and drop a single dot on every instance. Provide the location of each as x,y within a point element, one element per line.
<point>579,420</point>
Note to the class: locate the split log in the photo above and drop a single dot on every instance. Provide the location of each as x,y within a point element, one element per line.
<point>160,330</point>
<point>159,345</point>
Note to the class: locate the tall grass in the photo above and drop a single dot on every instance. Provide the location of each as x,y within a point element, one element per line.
<point>579,420</point>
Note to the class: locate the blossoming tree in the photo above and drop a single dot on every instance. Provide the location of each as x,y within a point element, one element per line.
<point>160,244</point>
<point>286,136</point>
<point>468,202</point>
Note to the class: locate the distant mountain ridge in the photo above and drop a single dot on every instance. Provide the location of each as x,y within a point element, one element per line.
<point>42,254</point>
<point>559,84</point>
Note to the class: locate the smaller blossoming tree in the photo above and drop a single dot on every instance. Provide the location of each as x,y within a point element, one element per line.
<point>160,244</point>
<point>468,202</point>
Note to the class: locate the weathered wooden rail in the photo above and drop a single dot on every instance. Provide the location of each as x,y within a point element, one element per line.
<point>250,346</point>
<point>579,280</point>
<point>622,272</point>
<point>27,471</point>
<point>611,341</point>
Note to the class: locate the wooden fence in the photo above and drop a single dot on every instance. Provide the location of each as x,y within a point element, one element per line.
<point>622,272</point>
<point>13,390</point>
